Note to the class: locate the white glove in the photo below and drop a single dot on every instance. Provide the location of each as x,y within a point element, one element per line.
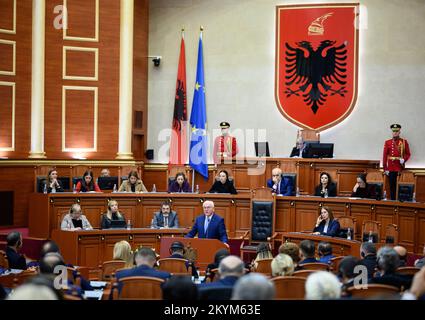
<point>386,172</point>
<point>401,161</point>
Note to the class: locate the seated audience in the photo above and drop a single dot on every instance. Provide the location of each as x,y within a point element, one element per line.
<point>326,188</point>
<point>87,184</point>
<point>179,184</point>
<point>417,289</point>
<point>346,272</point>
<point>111,214</point>
<point>145,261</point>
<point>231,268</point>
<point>388,262</point>
<point>326,225</point>
<point>219,255</point>
<point>254,286</point>
<point>133,183</point>
<point>52,182</point>
<point>292,250</point>
<point>362,189</point>
<point>402,255</point>
<point>368,254</point>
<point>279,184</point>
<point>322,285</point>
<point>282,265</point>
<point>179,288</point>
<point>14,244</point>
<point>307,250</point>
<point>223,185</point>
<point>49,246</point>
<point>105,173</point>
<point>165,218</point>
<point>75,220</point>
<point>263,252</point>
<point>419,263</point>
<point>324,250</point>
<point>122,251</point>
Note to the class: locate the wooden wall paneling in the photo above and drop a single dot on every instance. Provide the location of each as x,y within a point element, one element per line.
<point>149,207</point>
<point>18,35</point>
<point>130,208</point>
<point>420,187</point>
<point>346,182</point>
<point>146,240</point>
<point>109,243</point>
<point>338,209</point>
<point>386,217</point>
<point>306,216</point>
<point>420,231</point>
<point>407,226</point>
<point>187,211</point>
<point>225,209</point>
<point>283,216</point>
<point>305,174</point>
<point>7,110</point>
<point>157,177</point>
<point>89,253</point>
<point>243,216</point>
<point>93,209</point>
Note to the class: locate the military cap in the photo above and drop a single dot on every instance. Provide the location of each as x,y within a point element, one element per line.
<point>395,127</point>
<point>224,125</point>
<point>177,245</point>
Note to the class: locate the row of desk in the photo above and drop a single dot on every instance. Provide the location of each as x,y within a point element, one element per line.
<point>293,214</point>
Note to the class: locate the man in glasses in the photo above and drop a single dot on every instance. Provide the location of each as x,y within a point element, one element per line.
<point>280,185</point>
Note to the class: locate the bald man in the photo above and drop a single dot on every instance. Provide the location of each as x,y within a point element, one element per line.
<point>402,254</point>
<point>280,184</point>
<point>230,270</point>
<point>209,225</point>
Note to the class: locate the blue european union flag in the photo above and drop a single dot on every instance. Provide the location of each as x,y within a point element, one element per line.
<point>198,121</point>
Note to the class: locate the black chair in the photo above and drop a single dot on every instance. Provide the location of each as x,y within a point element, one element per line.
<point>41,181</point>
<point>293,177</point>
<point>75,180</point>
<point>377,188</point>
<point>262,221</point>
<point>107,183</point>
<point>220,293</point>
<point>405,192</point>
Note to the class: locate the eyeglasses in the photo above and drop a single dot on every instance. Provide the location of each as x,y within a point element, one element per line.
<point>275,175</point>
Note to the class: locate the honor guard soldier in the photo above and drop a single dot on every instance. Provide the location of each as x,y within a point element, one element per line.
<point>225,146</point>
<point>396,153</point>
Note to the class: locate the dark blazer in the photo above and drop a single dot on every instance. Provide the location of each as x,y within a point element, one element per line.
<point>175,187</point>
<point>370,263</point>
<point>141,271</point>
<point>394,279</point>
<point>216,229</point>
<point>219,187</point>
<point>16,260</point>
<point>333,228</point>
<point>58,189</point>
<point>106,222</point>
<point>367,192</point>
<point>229,281</point>
<point>307,260</point>
<point>331,190</point>
<point>286,187</point>
<point>158,220</point>
<point>296,152</point>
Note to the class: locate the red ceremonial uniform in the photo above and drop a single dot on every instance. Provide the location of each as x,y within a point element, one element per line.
<point>224,147</point>
<point>394,150</point>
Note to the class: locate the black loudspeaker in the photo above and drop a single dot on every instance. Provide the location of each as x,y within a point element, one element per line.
<point>149,154</point>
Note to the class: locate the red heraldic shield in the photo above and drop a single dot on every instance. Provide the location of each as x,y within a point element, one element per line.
<point>316,63</point>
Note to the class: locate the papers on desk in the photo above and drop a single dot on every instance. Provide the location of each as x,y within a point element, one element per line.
<point>98,284</point>
<point>198,280</point>
<point>94,294</point>
<point>355,198</point>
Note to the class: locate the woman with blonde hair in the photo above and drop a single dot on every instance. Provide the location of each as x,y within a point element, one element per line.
<point>122,251</point>
<point>282,265</point>
<point>111,214</point>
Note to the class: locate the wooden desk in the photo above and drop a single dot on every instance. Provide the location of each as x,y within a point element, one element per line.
<point>92,248</point>
<point>340,247</point>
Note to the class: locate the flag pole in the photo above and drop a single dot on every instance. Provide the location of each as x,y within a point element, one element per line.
<point>193,179</point>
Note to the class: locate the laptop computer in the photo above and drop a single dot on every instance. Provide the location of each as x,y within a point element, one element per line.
<point>118,224</point>
<point>262,149</point>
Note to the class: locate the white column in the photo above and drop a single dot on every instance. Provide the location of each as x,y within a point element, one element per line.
<point>126,80</point>
<point>37,79</point>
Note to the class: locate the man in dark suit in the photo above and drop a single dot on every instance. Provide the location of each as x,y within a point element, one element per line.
<point>209,225</point>
<point>368,254</point>
<point>279,184</point>
<point>14,244</point>
<point>165,218</point>
<point>307,250</point>
<point>230,270</point>
<point>145,260</point>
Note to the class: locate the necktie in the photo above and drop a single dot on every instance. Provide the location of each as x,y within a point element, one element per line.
<point>166,222</point>
<point>207,222</point>
<point>278,187</point>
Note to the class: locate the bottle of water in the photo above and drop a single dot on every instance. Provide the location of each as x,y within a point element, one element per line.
<point>74,188</point>
<point>414,197</point>
<point>152,225</point>
<point>115,188</point>
<point>197,188</point>
<point>385,195</point>
<point>370,237</point>
<point>128,224</point>
<point>54,190</point>
<point>154,188</point>
<point>349,234</point>
<point>297,192</point>
<point>45,189</point>
<point>325,195</point>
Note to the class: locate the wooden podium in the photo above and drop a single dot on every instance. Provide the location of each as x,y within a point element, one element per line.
<point>205,248</point>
